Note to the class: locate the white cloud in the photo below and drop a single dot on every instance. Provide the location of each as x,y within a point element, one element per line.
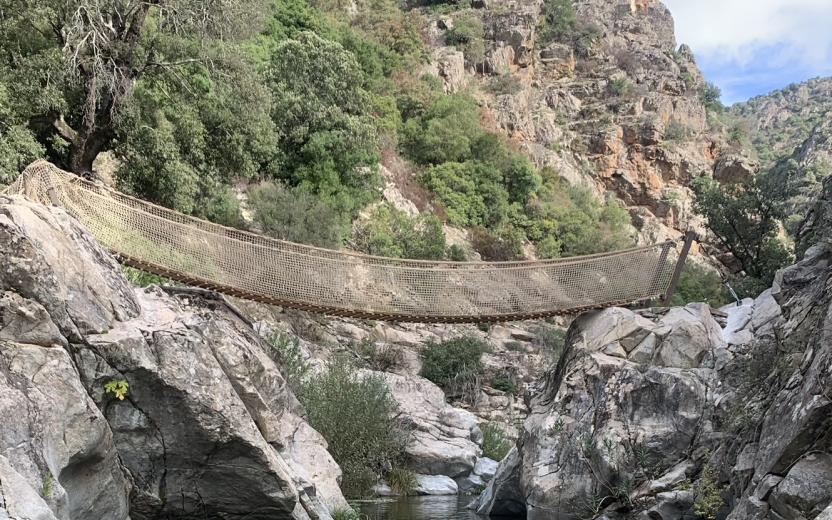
<point>739,31</point>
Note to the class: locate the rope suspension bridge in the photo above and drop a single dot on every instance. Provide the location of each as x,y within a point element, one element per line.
<point>254,267</point>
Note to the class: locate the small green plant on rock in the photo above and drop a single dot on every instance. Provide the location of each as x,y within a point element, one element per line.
<point>495,444</point>
<point>141,278</point>
<point>677,132</point>
<point>118,388</point>
<point>620,87</point>
<point>505,383</point>
<point>378,357</point>
<point>287,352</point>
<point>47,485</point>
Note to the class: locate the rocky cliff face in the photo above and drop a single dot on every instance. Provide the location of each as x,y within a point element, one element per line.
<point>686,412</point>
<point>620,111</point>
<point>781,121</point>
<point>205,427</point>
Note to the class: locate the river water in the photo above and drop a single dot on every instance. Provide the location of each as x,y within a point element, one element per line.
<point>451,507</point>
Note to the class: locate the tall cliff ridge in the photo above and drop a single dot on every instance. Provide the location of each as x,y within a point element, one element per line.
<point>781,121</point>
<point>791,133</point>
<point>610,102</point>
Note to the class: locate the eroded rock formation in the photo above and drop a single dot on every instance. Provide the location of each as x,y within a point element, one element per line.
<point>206,428</point>
<point>671,413</point>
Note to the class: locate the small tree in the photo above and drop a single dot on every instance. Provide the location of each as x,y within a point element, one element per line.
<point>744,218</point>
<point>297,216</point>
<point>390,232</point>
<point>711,97</point>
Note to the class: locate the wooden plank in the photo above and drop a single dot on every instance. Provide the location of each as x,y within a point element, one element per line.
<point>690,236</point>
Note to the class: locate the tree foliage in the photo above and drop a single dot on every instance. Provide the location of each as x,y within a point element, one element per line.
<point>296,215</point>
<point>389,232</point>
<point>355,414</point>
<point>324,120</point>
<point>92,54</point>
<point>698,284</point>
<point>446,362</point>
<point>744,218</point>
<point>562,24</point>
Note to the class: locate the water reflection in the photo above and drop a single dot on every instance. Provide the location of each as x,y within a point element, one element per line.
<point>418,508</point>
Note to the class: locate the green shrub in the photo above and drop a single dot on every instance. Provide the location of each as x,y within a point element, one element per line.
<point>738,134</point>
<point>698,284</point>
<point>297,216</point>
<point>677,132</point>
<point>711,96</point>
<point>378,357</point>
<point>355,414</point>
<point>455,365</point>
<point>390,232</point>
<point>505,83</point>
<point>141,278</point>
<point>287,353</point>
<point>445,130</point>
<point>619,87</point>
<point>552,341</point>
<point>503,246</point>
<point>709,499</point>
<point>561,24</point>
<point>402,481</point>
<point>346,513</point>
<point>495,445</point>
<point>469,35</point>
<point>472,193</point>
<point>505,383</point>
<point>456,253</point>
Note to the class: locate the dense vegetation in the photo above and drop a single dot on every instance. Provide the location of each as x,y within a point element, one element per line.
<point>455,366</point>
<point>745,220</point>
<point>191,98</point>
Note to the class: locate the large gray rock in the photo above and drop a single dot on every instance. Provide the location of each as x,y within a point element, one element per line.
<point>212,414</point>
<point>444,440</point>
<point>807,488</point>
<point>503,496</point>
<point>49,258</point>
<point>486,468</point>
<point>435,485</point>
<point>207,428</point>
<point>639,405</point>
<point>18,500</point>
<point>54,439</point>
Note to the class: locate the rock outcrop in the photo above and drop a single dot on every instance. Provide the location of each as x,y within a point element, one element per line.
<point>659,414</point>
<point>204,426</point>
<point>443,440</point>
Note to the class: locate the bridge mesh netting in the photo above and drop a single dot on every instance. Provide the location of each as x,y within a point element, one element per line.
<point>343,283</point>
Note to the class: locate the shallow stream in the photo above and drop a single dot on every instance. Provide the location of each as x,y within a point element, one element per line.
<point>451,507</point>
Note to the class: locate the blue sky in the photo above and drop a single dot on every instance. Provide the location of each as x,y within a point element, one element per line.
<point>751,47</point>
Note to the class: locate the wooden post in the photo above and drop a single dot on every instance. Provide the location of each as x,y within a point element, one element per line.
<point>690,236</point>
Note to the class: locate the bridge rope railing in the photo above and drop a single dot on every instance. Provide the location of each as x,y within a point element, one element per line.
<point>343,283</point>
